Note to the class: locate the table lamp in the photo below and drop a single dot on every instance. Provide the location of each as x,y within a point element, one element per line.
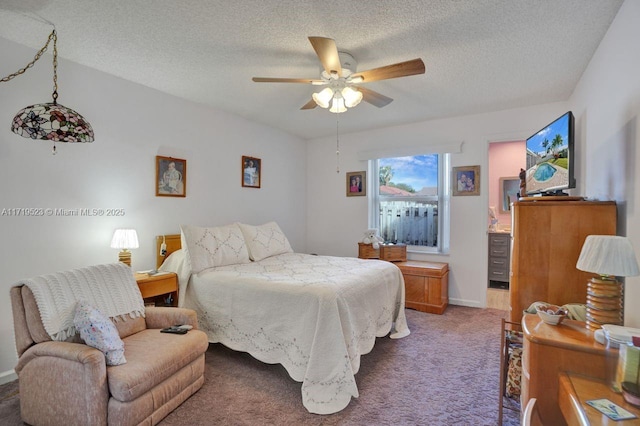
<point>608,256</point>
<point>125,239</point>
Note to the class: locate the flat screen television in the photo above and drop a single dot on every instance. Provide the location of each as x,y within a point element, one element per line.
<point>550,154</point>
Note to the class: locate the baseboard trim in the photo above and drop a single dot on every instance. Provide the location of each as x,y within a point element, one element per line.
<point>8,376</point>
<point>463,302</point>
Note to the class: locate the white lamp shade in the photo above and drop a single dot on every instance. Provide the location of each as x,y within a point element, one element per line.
<point>124,239</point>
<point>351,97</point>
<point>337,105</point>
<point>323,97</point>
<point>608,255</point>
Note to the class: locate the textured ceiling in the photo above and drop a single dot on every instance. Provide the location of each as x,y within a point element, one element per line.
<point>481,55</point>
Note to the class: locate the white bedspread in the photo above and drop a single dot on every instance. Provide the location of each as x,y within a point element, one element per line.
<point>315,315</point>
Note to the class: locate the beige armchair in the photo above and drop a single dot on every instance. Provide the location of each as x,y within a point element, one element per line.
<point>69,383</point>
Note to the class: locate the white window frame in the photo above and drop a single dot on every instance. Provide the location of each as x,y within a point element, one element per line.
<point>444,198</point>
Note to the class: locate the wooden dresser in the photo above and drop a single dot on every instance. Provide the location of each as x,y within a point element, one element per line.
<point>547,352</point>
<point>547,239</point>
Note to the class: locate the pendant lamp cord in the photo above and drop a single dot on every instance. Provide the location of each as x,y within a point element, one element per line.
<point>337,144</point>
<point>53,36</point>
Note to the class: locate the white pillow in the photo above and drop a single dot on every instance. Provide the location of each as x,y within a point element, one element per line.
<point>265,240</point>
<point>97,330</point>
<point>211,247</point>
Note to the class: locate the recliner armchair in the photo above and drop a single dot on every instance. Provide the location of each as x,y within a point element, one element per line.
<point>68,382</point>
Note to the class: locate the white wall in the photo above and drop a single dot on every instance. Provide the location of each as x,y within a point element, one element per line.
<point>505,161</point>
<point>132,124</point>
<point>607,108</point>
<point>336,222</point>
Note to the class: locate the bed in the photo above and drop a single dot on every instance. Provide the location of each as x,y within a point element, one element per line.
<point>315,315</point>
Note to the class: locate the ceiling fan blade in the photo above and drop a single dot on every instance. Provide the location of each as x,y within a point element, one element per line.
<point>401,69</point>
<point>328,54</point>
<point>287,80</point>
<point>309,105</point>
<point>374,98</point>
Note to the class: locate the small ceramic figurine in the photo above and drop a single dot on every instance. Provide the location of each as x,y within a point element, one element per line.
<point>523,183</point>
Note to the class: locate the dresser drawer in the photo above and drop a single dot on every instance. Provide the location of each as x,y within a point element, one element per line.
<point>499,252</point>
<point>498,274</point>
<point>498,263</point>
<point>499,240</point>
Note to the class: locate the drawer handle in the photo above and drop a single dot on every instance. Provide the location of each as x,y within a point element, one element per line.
<point>497,273</point>
<point>498,262</point>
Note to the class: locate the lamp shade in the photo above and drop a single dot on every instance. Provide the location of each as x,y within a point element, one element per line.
<point>51,121</point>
<point>337,104</point>
<point>323,97</point>
<point>608,255</point>
<point>124,239</point>
<point>351,97</point>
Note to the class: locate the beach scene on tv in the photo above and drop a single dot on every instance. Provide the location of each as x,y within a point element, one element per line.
<point>548,157</point>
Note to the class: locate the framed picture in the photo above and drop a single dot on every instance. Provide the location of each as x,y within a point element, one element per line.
<point>356,184</point>
<point>171,177</point>
<point>509,192</point>
<point>466,180</point>
<point>251,170</point>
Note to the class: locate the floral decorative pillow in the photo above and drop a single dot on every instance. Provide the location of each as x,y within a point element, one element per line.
<point>211,247</point>
<point>265,240</point>
<point>97,331</point>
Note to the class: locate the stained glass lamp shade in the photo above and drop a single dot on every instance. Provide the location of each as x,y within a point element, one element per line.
<point>53,122</point>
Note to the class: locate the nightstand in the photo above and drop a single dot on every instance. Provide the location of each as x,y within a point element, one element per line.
<point>156,287</point>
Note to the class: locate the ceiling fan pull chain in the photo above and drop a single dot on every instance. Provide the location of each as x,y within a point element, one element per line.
<point>337,145</point>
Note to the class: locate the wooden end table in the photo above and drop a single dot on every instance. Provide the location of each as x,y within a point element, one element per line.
<point>156,287</point>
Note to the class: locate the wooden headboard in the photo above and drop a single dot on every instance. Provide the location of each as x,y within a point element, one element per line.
<point>173,243</point>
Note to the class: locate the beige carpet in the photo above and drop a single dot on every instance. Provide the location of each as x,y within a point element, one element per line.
<point>445,373</point>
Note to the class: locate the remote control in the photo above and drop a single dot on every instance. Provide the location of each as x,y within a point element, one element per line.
<point>174,330</point>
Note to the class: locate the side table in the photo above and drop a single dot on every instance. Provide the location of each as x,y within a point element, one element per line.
<point>153,287</point>
<point>575,390</point>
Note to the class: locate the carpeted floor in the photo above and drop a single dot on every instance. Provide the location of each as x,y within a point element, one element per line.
<point>445,373</point>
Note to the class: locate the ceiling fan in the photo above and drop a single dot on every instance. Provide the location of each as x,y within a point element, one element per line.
<point>342,82</point>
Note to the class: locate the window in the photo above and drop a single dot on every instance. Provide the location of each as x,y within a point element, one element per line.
<point>409,201</point>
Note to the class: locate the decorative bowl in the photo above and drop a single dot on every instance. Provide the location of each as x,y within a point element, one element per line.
<point>551,314</point>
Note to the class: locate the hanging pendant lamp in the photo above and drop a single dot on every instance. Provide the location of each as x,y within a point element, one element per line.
<point>50,121</point>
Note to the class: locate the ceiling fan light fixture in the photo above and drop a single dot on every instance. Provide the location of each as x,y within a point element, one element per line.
<point>351,97</point>
<point>337,105</point>
<point>338,73</point>
<point>323,97</point>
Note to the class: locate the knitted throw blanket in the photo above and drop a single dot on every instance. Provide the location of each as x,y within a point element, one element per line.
<point>110,288</point>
